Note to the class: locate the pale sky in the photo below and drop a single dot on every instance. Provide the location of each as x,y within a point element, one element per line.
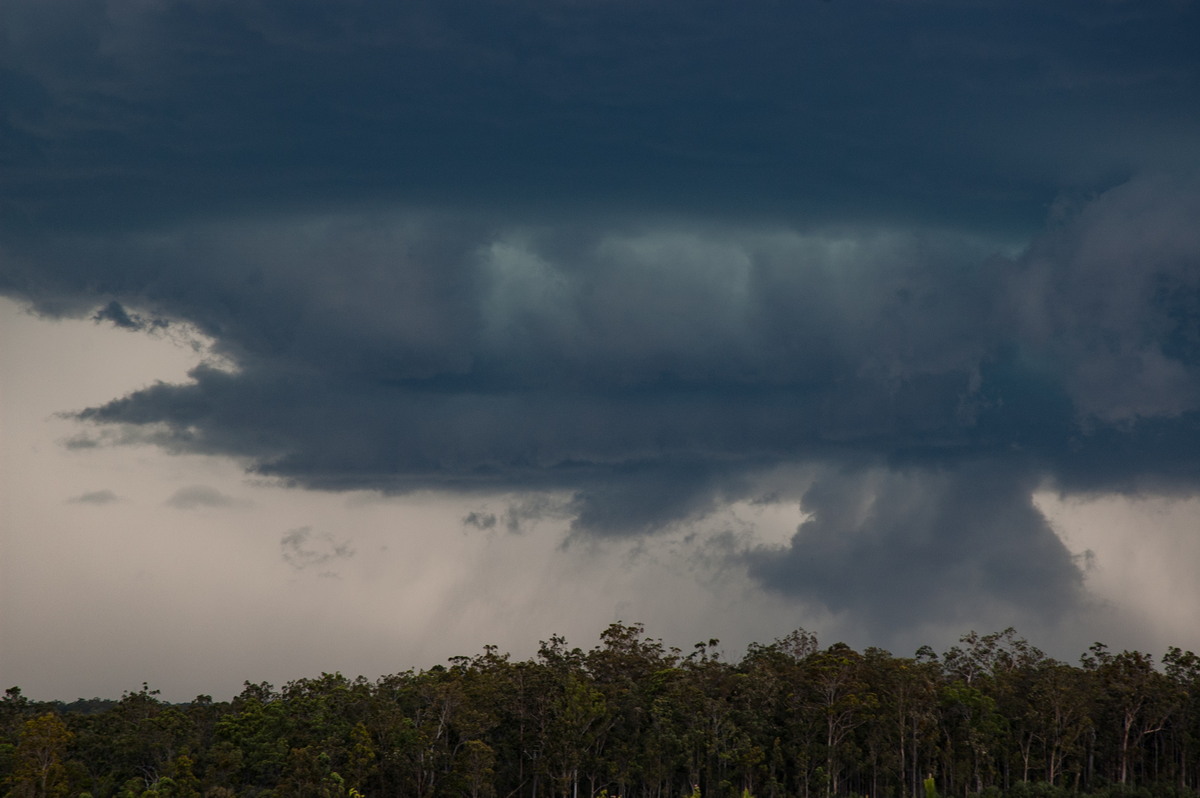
<point>353,336</point>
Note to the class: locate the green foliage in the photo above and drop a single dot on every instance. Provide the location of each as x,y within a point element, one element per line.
<point>992,717</point>
<point>38,769</point>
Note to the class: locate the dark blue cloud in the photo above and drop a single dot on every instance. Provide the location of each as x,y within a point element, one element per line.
<point>890,547</point>
<point>509,357</point>
<point>638,253</point>
<point>978,112</point>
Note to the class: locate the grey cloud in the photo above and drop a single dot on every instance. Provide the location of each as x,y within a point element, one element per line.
<point>97,437</point>
<point>115,313</point>
<point>127,111</point>
<point>192,497</point>
<point>480,520</point>
<point>531,509</point>
<point>95,497</point>
<point>520,512</point>
<point>303,549</point>
<point>1113,298</point>
<point>635,254</point>
<point>647,498</point>
<point>898,547</point>
<point>513,359</point>
<point>82,442</point>
<point>306,287</point>
<point>543,363</point>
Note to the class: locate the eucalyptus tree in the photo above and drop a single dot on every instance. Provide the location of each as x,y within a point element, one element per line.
<point>903,726</point>
<point>39,769</point>
<point>1134,702</point>
<point>627,668</point>
<point>843,700</point>
<point>1060,718</point>
<point>1183,670</point>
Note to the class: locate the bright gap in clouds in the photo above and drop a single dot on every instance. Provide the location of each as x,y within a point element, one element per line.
<point>1140,558</point>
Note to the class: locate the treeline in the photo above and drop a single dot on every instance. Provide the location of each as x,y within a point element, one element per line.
<point>993,716</point>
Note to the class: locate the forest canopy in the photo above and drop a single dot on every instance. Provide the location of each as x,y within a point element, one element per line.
<point>991,716</point>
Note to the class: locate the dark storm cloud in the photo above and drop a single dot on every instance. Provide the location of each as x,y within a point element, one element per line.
<point>632,358</point>
<point>652,371</point>
<point>120,112</point>
<point>942,545</point>
<point>113,312</point>
<point>637,254</point>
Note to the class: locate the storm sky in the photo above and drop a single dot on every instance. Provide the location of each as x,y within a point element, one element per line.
<point>353,335</point>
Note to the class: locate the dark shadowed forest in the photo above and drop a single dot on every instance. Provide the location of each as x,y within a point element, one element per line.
<point>992,716</point>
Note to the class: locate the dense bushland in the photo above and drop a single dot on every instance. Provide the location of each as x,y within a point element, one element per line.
<point>992,716</point>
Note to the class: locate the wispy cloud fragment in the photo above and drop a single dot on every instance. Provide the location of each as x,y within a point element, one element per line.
<point>302,549</point>
<point>519,514</point>
<point>193,497</point>
<point>116,313</point>
<point>480,520</point>
<point>97,497</point>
